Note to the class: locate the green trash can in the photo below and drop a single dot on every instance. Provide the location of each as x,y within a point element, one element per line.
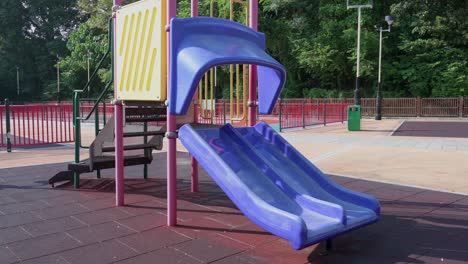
<point>354,118</point>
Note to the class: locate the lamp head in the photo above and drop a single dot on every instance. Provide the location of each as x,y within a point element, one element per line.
<point>350,4</point>
<point>389,20</point>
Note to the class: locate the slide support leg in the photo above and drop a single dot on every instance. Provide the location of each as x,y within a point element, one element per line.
<point>194,175</point>
<point>119,159</point>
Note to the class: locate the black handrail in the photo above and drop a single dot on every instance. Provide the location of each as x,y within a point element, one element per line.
<point>101,62</point>
<point>76,98</point>
<point>93,76</point>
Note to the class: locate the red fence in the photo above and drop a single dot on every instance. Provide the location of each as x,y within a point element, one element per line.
<point>310,112</point>
<point>106,110</point>
<point>37,124</point>
<point>47,123</point>
<point>288,113</point>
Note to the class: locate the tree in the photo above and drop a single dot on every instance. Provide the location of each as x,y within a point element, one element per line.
<point>424,54</point>
<point>33,33</point>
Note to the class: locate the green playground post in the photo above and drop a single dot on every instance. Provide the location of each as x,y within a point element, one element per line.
<point>96,132</point>
<point>8,128</point>
<point>77,125</point>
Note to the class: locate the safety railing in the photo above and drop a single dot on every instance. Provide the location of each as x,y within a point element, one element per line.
<point>219,114</point>
<point>78,116</point>
<point>295,113</point>
<point>289,113</point>
<point>94,104</point>
<point>37,124</point>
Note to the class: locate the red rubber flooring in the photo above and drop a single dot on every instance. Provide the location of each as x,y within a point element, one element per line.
<point>433,129</point>
<point>43,225</point>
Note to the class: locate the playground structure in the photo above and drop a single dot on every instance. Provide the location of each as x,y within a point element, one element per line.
<point>271,182</point>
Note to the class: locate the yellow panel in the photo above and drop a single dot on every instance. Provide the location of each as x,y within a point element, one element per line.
<point>140,57</point>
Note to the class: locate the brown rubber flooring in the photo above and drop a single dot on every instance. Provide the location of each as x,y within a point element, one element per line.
<point>39,224</point>
<point>433,129</point>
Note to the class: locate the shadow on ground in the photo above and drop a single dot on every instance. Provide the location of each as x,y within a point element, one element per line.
<point>416,226</point>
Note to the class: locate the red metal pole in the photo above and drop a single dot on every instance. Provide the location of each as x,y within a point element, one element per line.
<point>65,123</point>
<point>47,123</point>
<point>194,7</point>
<point>70,122</point>
<point>36,130</point>
<point>171,129</point>
<point>60,110</point>
<point>119,159</point>
<point>42,123</point>
<point>12,112</point>
<point>25,110</point>
<point>55,137</point>
<point>253,21</point>
<point>118,114</point>
<point>1,125</point>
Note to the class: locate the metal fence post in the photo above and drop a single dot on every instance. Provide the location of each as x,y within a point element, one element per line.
<point>318,109</point>
<point>7,120</point>
<point>280,113</point>
<point>303,113</point>
<point>460,107</point>
<point>418,106</point>
<point>342,109</point>
<point>324,112</point>
<point>224,112</point>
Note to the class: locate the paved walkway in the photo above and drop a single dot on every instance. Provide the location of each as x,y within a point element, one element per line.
<point>43,225</point>
<point>434,163</point>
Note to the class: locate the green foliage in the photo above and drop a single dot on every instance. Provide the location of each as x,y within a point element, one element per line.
<point>33,32</point>
<point>84,43</point>
<point>425,54</point>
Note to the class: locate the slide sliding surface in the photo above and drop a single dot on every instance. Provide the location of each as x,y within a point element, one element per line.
<point>275,186</point>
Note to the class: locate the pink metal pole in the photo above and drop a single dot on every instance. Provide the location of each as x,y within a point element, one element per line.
<point>118,114</point>
<point>253,7</point>
<point>194,174</point>
<point>171,129</point>
<point>194,7</point>
<point>119,160</point>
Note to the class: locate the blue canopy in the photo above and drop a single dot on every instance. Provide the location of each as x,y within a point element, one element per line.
<point>198,44</point>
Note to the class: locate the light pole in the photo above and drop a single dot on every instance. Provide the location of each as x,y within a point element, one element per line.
<point>357,91</point>
<point>17,81</point>
<point>88,59</point>
<point>58,78</point>
<point>389,20</point>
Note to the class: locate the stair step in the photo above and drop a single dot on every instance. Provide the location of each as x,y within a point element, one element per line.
<point>129,147</point>
<point>129,111</point>
<point>145,118</point>
<point>107,162</point>
<point>81,167</point>
<point>141,134</point>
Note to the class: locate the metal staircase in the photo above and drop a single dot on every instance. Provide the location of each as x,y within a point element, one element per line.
<point>139,142</point>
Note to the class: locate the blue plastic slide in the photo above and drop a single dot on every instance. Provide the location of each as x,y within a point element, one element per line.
<point>275,186</point>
